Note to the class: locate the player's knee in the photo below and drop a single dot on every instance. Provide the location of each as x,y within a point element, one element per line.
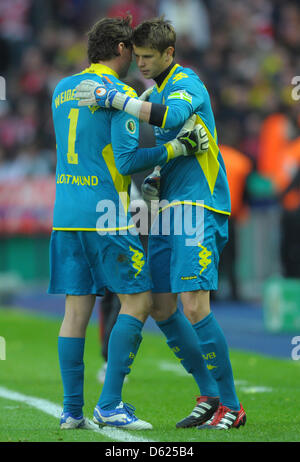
<point>196,305</point>
<point>156,313</point>
<point>75,319</point>
<point>74,324</point>
<point>148,303</point>
<point>137,305</point>
<point>161,313</point>
<point>164,305</point>
<point>191,312</point>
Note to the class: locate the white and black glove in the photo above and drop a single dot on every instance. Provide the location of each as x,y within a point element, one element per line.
<point>92,93</point>
<point>151,187</point>
<point>145,95</point>
<point>191,140</point>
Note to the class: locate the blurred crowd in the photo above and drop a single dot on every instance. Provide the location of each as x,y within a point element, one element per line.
<point>245,51</point>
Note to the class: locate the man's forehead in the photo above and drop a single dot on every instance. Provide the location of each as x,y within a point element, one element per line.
<point>144,51</point>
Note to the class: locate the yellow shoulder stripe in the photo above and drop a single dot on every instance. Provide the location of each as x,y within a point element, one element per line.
<point>165,117</point>
<point>99,69</point>
<point>209,160</point>
<point>160,89</point>
<point>121,182</point>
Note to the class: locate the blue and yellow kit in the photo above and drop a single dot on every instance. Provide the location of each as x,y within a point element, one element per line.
<point>179,260</point>
<point>97,150</point>
<point>199,178</point>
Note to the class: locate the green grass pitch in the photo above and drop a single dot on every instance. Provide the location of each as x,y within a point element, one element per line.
<point>162,394</point>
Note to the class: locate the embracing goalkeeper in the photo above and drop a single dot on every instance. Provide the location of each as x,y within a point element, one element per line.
<point>188,171</point>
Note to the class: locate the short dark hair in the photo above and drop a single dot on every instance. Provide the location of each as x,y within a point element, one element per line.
<point>156,33</point>
<point>104,37</point>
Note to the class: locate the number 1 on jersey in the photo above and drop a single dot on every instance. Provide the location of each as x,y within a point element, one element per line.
<point>72,156</point>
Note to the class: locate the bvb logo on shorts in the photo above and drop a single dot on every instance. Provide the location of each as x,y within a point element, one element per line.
<point>130,126</point>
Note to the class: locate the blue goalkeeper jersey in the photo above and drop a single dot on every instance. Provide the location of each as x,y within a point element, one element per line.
<point>97,150</point>
<point>191,179</point>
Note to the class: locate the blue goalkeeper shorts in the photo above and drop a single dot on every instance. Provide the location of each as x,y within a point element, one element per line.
<point>84,262</point>
<point>186,256</point>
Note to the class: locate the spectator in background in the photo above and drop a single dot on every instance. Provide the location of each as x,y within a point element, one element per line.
<point>290,221</point>
<point>15,31</point>
<point>248,50</point>
<point>139,10</point>
<point>279,161</point>
<point>4,165</point>
<point>191,21</point>
<point>28,163</point>
<point>287,31</point>
<point>238,167</point>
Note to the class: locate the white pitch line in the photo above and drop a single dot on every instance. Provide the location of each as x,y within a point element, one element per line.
<point>171,367</point>
<point>243,384</point>
<point>55,411</point>
<point>256,389</point>
<point>239,383</point>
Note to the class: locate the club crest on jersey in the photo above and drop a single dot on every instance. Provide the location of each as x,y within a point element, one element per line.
<point>100,91</point>
<point>131,126</point>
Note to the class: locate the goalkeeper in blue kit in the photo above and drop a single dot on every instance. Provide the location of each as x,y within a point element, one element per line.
<point>186,262</point>
<point>93,245</point>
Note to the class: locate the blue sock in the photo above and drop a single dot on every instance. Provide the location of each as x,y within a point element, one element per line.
<point>184,342</point>
<point>70,354</point>
<point>216,355</point>
<point>124,342</point>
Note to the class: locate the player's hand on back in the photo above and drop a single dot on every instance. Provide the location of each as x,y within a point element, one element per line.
<point>145,95</point>
<point>92,93</point>
<point>151,187</point>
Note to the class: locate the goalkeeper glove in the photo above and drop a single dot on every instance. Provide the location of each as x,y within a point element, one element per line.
<point>191,140</point>
<point>151,187</point>
<point>145,95</point>
<point>182,145</point>
<point>91,93</point>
